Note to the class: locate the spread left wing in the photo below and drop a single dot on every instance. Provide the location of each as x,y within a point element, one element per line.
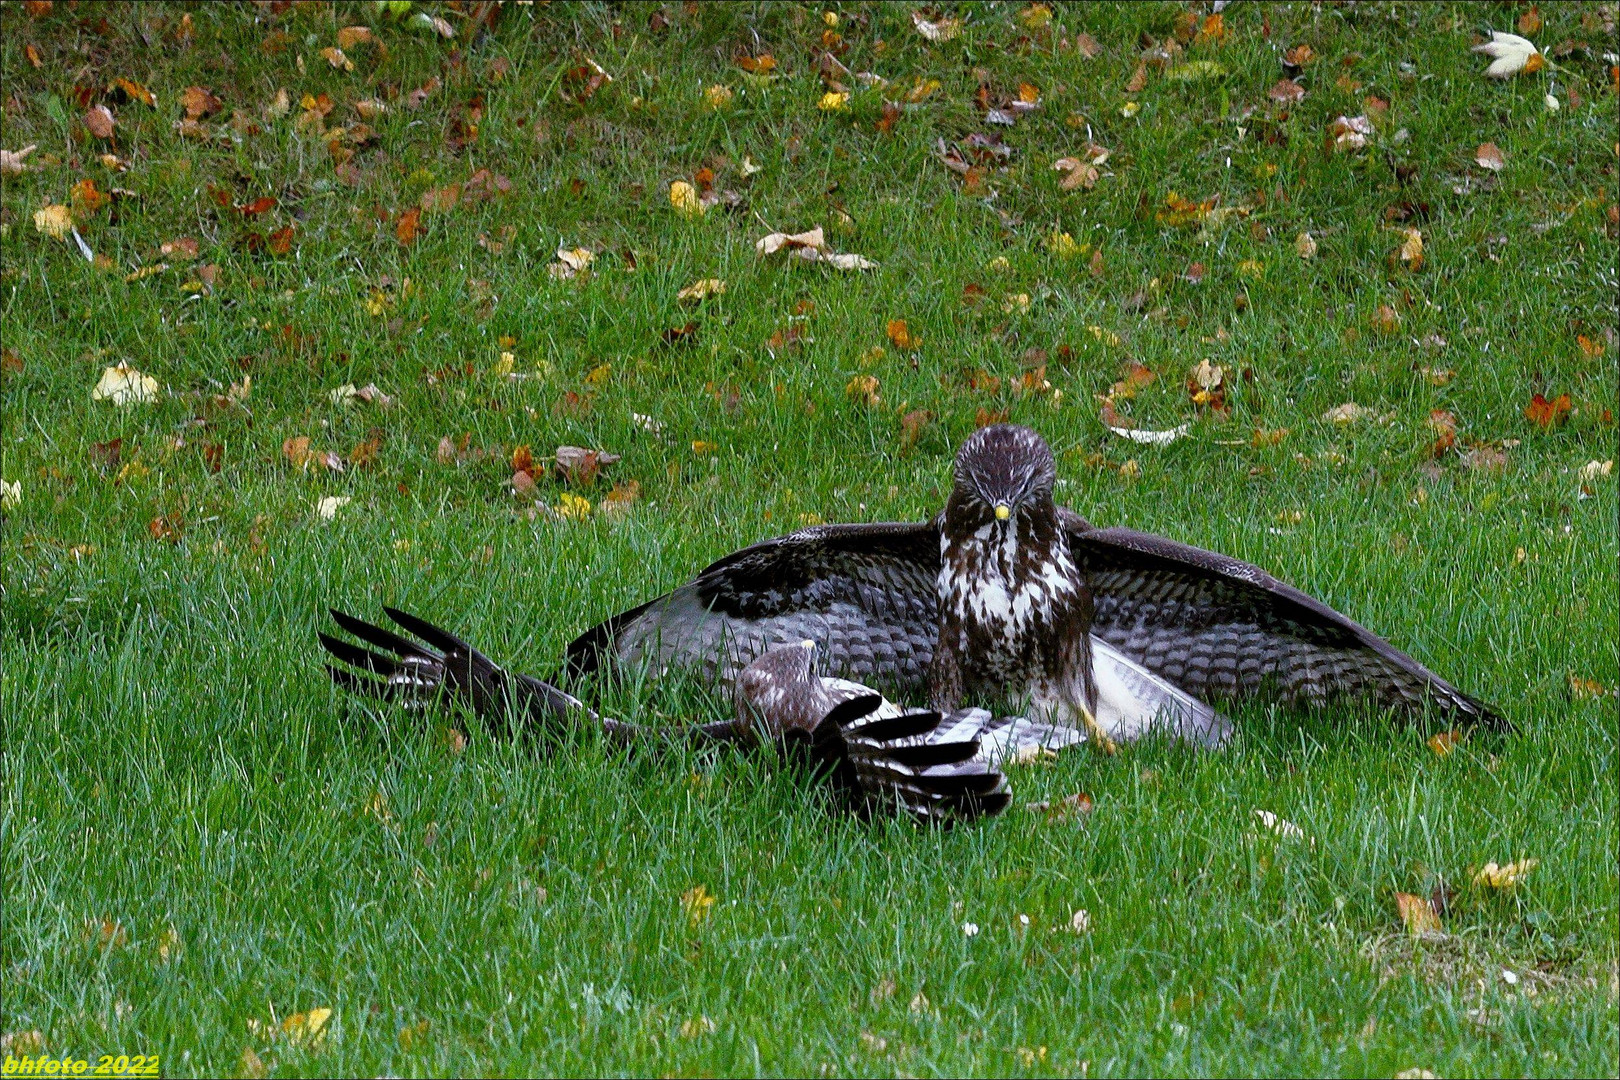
<point>1218,627</point>
<point>865,594</point>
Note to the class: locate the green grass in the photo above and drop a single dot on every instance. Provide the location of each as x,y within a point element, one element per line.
<point>178,772</point>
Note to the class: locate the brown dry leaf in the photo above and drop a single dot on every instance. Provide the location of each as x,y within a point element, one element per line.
<point>86,198</point>
<point>621,498</point>
<point>1179,211</point>
<point>1444,426</point>
<point>183,247</point>
<point>199,102</point>
<point>99,119</point>
<point>1546,414</point>
<point>164,529</point>
<point>11,161</point>
<point>1205,381</point>
<point>1489,156</point>
<point>1286,92</point>
<point>1530,21</point>
<point>901,336</point>
<point>1138,80</point>
<point>337,58</point>
<point>1136,377</point>
<point>1418,915</point>
<point>1305,246</point>
<point>864,388</point>
<point>409,226</point>
<point>1346,414</point>
<point>1484,459</point>
<point>350,36</point>
<point>1087,46</point>
<point>912,426</point>
<point>1385,320</point>
<point>1584,689</point>
<point>1492,876</point>
<point>1411,250</point>
<point>579,466</point>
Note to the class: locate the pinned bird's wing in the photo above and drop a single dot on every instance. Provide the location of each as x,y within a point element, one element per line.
<point>889,761</point>
<point>1217,628</point>
<point>865,594</point>
<point>416,675</point>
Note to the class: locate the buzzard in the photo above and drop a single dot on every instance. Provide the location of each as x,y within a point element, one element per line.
<point>877,756</point>
<point>1006,596</point>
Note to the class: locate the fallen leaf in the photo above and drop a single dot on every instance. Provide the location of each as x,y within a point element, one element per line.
<point>1350,132</point>
<point>123,385</point>
<point>164,529</point>
<point>433,24</point>
<point>684,198</point>
<point>99,119</point>
<point>1584,689</point>
<point>12,163</point>
<point>1418,915</point>
<point>912,426</point>
<point>571,262</point>
<point>1489,156</point>
<point>1348,413</point>
<point>1305,246</point>
<point>936,30</point>
<point>10,494</point>
<point>1385,320</point>
<point>350,36</point>
<point>199,102</point>
<point>1196,71</point>
<point>1546,414</point>
<point>1530,21</point>
<point>328,507</point>
<point>409,226</point>
<point>571,507</point>
<point>1065,808</point>
<point>864,388</point>
<point>580,466</point>
<point>1286,92</point>
<point>1444,742</point>
<point>134,91</point>
<point>1484,459</point>
<point>900,335</point>
<point>1492,876</point>
<point>307,1029</point>
<point>701,290</point>
<point>1510,55</point>
<point>55,221</point>
<point>697,1027</point>
<point>833,101</point>
<point>696,902</point>
<point>1411,249</point>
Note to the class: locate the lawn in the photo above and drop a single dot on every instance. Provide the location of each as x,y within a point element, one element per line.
<point>1394,346</point>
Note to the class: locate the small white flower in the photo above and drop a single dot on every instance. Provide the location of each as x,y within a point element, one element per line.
<point>327,508</point>
<point>1510,54</point>
<point>970,929</point>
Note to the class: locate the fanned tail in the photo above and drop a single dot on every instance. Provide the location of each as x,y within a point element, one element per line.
<point>900,761</point>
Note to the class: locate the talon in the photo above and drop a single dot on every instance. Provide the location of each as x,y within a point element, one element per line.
<point>1096,737</point>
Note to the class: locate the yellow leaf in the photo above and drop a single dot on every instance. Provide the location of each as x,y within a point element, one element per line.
<point>900,334</point>
<point>573,507</point>
<point>717,96</point>
<point>1444,742</point>
<point>864,387</point>
<point>684,198</point>
<point>1063,245</point>
<point>1305,246</point>
<point>701,447</point>
<point>306,1028</point>
<point>1492,876</point>
<point>832,101</point>
<point>702,290</point>
<point>696,902</point>
<point>55,221</point>
<point>123,385</point>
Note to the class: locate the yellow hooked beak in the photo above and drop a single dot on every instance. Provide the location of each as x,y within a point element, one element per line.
<point>1003,511</point>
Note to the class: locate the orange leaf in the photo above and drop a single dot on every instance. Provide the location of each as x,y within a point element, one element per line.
<point>901,335</point>
<point>1445,742</point>
<point>1544,413</point>
<point>280,241</point>
<point>1418,914</point>
<point>408,226</point>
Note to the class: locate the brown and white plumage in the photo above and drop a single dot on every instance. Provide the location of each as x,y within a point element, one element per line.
<point>1173,629</point>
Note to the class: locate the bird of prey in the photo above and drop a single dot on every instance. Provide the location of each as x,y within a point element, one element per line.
<point>1006,596</point>
<point>877,756</point>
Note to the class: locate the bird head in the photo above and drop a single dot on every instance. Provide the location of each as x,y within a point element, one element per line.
<point>1003,473</point>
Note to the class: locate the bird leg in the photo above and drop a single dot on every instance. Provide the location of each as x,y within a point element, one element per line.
<point>1096,737</point>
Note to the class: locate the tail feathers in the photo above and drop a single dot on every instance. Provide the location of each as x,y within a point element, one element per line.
<point>901,762</point>
<point>1132,701</point>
